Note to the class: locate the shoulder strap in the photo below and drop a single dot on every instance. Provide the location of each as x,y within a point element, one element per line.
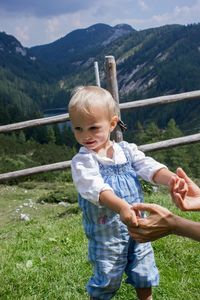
<point>123,145</point>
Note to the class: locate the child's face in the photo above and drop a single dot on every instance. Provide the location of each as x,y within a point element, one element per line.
<point>93,131</point>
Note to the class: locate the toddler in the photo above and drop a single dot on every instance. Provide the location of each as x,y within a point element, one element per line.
<point>105,175</point>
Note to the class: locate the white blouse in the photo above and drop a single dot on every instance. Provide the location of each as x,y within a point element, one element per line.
<point>87,178</point>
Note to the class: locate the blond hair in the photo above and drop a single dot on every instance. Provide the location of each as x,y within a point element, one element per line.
<point>85,98</point>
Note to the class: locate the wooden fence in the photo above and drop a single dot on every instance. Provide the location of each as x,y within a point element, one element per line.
<point>113,88</point>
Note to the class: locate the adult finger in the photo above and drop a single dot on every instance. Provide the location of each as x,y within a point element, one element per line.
<point>172,184</point>
<point>140,238</point>
<point>144,207</point>
<point>178,200</point>
<point>183,175</point>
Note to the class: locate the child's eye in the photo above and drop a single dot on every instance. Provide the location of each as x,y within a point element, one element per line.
<point>78,128</point>
<point>94,128</point>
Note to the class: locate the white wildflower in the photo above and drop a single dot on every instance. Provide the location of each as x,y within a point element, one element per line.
<point>24,217</point>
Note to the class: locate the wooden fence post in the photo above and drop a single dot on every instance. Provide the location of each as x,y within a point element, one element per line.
<point>96,70</point>
<point>112,86</point>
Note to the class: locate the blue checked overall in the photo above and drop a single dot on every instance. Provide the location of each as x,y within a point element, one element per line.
<point>111,250</point>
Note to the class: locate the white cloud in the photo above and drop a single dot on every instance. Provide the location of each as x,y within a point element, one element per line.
<point>143,5</point>
<point>189,13</point>
<point>46,24</point>
<point>180,15</point>
<point>23,34</point>
<point>53,28</point>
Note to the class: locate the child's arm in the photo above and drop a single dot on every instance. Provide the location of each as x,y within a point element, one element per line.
<point>163,176</point>
<point>91,186</point>
<point>110,200</point>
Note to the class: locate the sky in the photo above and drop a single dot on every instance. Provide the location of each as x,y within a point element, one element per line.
<point>38,22</point>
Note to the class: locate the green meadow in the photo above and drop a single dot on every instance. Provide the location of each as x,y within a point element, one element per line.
<point>43,250</point>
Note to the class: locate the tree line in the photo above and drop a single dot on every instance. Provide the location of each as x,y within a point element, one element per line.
<point>50,144</point>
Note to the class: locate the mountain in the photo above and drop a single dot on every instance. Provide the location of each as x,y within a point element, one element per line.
<point>24,81</point>
<point>151,62</point>
<point>148,61</point>
<point>77,46</point>
<point>16,59</point>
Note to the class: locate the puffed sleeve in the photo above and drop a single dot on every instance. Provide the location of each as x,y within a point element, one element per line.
<point>145,166</point>
<point>87,178</point>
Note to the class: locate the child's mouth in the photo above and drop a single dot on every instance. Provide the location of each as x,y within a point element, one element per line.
<point>89,143</point>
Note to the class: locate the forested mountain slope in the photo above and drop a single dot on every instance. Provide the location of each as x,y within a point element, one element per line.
<point>152,62</point>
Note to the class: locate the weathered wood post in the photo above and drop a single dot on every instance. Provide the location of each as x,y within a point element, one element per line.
<point>96,70</point>
<point>112,86</point>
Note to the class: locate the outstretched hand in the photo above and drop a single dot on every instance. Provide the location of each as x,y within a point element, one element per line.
<point>158,224</point>
<point>161,222</point>
<point>185,199</point>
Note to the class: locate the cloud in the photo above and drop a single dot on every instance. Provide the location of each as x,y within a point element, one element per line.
<point>179,15</point>
<point>43,8</point>
<point>142,4</point>
<point>23,33</point>
<point>37,22</point>
<point>153,15</point>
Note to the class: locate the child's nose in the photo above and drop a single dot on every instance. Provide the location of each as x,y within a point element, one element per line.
<point>86,135</point>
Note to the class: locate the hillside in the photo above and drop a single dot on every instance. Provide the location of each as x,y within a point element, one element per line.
<point>152,62</point>
<point>80,45</point>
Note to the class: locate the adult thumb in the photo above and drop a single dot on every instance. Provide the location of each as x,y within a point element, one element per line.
<point>143,207</point>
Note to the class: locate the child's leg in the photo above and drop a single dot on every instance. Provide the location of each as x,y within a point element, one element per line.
<point>141,269</point>
<point>108,269</point>
<point>144,293</point>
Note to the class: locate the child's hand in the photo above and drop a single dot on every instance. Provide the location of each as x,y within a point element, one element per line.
<point>128,217</point>
<point>189,199</point>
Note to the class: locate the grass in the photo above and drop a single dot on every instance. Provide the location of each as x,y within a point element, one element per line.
<point>46,257</point>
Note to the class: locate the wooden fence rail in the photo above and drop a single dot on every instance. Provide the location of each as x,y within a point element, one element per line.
<point>194,95</point>
<point>113,87</point>
<point>66,164</point>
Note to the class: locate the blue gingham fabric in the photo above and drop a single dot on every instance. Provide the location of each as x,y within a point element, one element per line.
<point>110,249</point>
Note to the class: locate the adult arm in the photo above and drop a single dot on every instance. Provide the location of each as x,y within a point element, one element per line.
<point>161,222</point>
<point>187,228</point>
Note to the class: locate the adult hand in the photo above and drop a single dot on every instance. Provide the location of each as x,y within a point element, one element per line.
<point>158,224</point>
<point>185,201</point>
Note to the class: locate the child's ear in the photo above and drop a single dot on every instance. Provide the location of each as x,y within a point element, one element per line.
<point>113,122</point>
